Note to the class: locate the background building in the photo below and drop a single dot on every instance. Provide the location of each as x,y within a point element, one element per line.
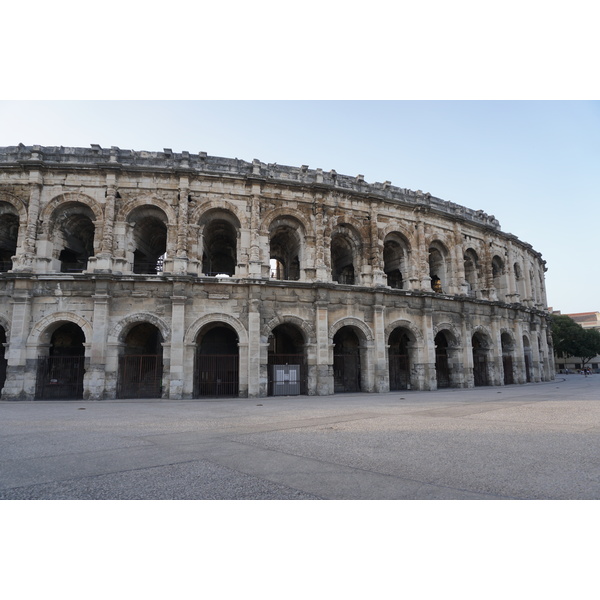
<point>156,274</point>
<point>588,320</point>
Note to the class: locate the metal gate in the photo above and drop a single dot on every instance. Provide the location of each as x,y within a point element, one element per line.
<point>216,375</point>
<point>287,375</point>
<point>59,378</point>
<point>346,373</point>
<point>3,363</point>
<point>507,365</point>
<point>442,370</point>
<point>480,370</point>
<point>399,372</point>
<point>140,376</point>
<point>527,368</point>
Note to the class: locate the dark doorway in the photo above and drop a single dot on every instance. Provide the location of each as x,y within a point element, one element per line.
<point>216,372</point>
<point>9,229</point>
<point>507,364</point>
<point>507,359</point>
<point>141,364</point>
<point>399,361</point>
<point>220,254</point>
<point>480,363</point>
<point>60,373</point>
<point>442,367</point>
<point>287,363</point>
<point>346,361</point>
<point>2,358</point>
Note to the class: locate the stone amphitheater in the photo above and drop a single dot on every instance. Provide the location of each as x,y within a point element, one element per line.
<point>130,274</point>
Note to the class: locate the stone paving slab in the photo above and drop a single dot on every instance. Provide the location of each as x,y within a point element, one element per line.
<point>538,441</point>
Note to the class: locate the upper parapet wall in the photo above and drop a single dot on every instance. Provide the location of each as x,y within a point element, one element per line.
<point>201,163</point>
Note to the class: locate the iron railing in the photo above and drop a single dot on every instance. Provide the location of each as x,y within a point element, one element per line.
<point>399,372</point>
<point>216,375</point>
<point>59,378</point>
<point>442,370</point>
<point>346,373</point>
<point>140,376</point>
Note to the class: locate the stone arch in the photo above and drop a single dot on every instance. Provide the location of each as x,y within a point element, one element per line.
<point>346,248</point>
<point>305,327</point>
<point>508,348</point>
<point>362,327</point>
<point>404,324</point>
<point>287,236</point>
<point>404,232</point>
<point>118,333</point>
<point>439,263</point>
<point>397,259</point>
<point>12,233</point>
<point>485,333</point>
<point>128,207</point>
<point>339,220</point>
<point>454,339</point>
<point>42,331</point>
<point>218,237</point>
<point>199,213</point>
<point>17,203</point>
<point>194,329</point>
<point>499,276</point>
<point>70,198</point>
<point>5,324</point>
<point>283,213</point>
<point>505,331</point>
<point>473,273</point>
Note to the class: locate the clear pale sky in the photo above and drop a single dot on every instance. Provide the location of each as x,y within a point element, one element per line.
<point>532,164</point>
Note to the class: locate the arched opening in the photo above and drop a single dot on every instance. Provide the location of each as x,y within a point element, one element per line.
<point>149,239</point>
<point>9,232</point>
<point>346,361</point>
<point>285,250</point>
<point>2,357</point>
<point>480,360</point>
<point>343,259</point>
<point>437,268</point>
<point>60,372</point>
<point>472,271</point>
<point>287,361</point>
<point>219,255</point>
<point>73,233</point>
<point>508,349</point>
<point>216,372</point>
<point>141,363</point>
<point>499,277</point>
<point>395,261</point>
<point>442,365</point>
<point>399,358</point>
<point>520,281</point>
<point>528,355</point>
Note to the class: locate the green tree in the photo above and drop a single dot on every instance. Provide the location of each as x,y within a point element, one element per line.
<point>571,339</point>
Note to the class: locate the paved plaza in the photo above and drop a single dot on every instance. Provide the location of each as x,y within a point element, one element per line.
<point>535,441</point>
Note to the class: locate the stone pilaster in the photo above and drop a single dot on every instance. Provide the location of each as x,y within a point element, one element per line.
<point>18,369</point>
<point>257,376</point>
<point>382,375</point>
<point>176,379</point>
<point>324,366</point>
<point>95,378</point>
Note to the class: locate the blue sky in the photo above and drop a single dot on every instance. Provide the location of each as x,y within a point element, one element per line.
<point>532,164</point>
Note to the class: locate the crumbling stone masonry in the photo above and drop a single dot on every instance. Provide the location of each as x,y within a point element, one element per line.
<point>177,275</point>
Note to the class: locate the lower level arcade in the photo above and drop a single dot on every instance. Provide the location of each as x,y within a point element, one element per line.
<point>220,356</point>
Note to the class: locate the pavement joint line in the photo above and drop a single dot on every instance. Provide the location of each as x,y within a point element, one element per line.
<point>361,470</point>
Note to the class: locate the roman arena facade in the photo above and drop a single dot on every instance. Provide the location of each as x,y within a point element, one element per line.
<point>129,274</point>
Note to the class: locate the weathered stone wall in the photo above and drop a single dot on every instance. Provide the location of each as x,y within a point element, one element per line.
<point>369,259</point>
